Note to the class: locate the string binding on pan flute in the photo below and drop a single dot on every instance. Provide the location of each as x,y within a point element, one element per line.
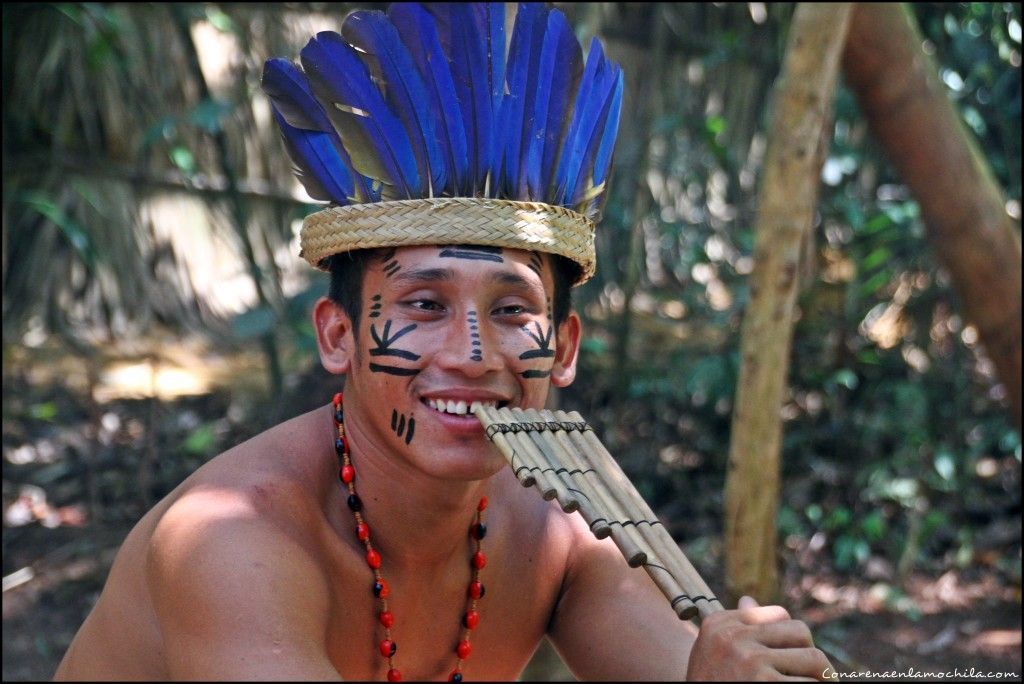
<point>558,453</point>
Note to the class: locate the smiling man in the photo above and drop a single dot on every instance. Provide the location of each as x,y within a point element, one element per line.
<point>381,536</point>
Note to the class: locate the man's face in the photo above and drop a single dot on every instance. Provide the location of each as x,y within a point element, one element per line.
<point>446,326</point>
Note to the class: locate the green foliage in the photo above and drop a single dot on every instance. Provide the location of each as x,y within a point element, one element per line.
<point>896,442</point>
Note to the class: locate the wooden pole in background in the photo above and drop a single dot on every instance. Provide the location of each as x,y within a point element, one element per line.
<point>964,209</point>
<point>786,202</point>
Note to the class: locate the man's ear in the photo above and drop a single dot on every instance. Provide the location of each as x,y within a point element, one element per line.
<point>567,348</point>
<point>334,336</point>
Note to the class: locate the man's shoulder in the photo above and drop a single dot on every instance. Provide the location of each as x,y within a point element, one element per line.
<point>282,465</point>
<point>252,499</point>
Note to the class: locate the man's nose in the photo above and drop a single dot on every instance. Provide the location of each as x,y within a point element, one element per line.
<point>469,347</point>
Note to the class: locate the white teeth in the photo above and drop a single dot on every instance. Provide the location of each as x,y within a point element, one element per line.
<point>460,407</point>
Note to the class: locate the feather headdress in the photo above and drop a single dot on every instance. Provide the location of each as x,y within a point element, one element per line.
<point>426,102</point>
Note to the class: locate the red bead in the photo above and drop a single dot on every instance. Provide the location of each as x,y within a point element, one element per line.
<point>464,649</point>
<point>479,560</point>
<point>476,589</point>
<point>483,503</point>
<point>394,675</point>
<point>388,648</point>
<point>363,531</point>
<point>386,618</point>
<point>348,473</point>
<point>373,559</point>
<point>471,620</point>
<point>337,399</point>
<point>380,588</point>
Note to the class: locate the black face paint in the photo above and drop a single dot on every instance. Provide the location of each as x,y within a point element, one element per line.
<point>400,427</point>
<point>384,342</point>
<point>535,263</point>
<point>543,350</point>
<point>393,370</point>
<point>384,348</point>
<point>375,309</point>
<point>473,252</point>
<point>391,265</point>
<point>536,373</point>
<point>474,337</point>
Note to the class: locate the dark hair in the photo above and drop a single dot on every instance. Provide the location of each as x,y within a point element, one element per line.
<point>348,268</point>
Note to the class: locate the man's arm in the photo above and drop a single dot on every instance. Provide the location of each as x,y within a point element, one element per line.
<point>612,622</point>
<point>236,597</point>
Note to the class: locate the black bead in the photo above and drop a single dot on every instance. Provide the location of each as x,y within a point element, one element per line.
<point>483,590</point>
<point>354,503</point>
<point>339,416</point>
<point>457,677</point>
<point>339,446</point>
<point>377,588</point>
<point>479,530</point>
<point>394,648</point>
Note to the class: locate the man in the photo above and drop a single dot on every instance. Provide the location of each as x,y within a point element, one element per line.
<point>421,557</point>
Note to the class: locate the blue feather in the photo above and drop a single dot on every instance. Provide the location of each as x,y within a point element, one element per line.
<point>557,79</point>
<point>374,137</point>
<point>418,31</point>
<point>317,163</point>
<point>591,134</point>
<point>472,85</point>
<point>294,102</point>
<point>518,103</point>
<point>534,20</point>
<point>602,160</point>
<point>490,18</point>
<point>425,100</point>
<point>586,111</point>
<point>374,34</point>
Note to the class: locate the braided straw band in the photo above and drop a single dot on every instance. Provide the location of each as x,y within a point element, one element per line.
<point>450,221</point>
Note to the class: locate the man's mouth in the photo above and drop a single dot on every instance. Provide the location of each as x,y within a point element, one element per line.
<point>460,407</point>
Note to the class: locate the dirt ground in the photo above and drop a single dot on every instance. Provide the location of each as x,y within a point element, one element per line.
<point>76,474</point>
<point>964,623</point>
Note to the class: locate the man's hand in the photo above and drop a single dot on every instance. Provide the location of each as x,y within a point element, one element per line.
<point>755,643</point>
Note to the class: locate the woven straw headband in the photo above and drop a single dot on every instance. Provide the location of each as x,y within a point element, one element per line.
<point>447,221</point>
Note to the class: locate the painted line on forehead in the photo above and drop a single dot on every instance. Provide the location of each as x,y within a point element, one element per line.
<point>392,268</point>
<point>473,252</point>
<point>535,262</point>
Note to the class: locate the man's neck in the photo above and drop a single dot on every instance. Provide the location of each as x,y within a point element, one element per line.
<point>417,521</point>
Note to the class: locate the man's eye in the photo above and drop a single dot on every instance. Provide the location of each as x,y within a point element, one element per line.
<point>425,305</point>
<point>512,310</point>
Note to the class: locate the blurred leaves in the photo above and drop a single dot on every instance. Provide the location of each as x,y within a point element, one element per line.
<point>894,433</point>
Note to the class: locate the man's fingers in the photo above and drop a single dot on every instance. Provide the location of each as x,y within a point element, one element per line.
<point>800,662</point>
<point>746,602</point>
<point>760,615</point>
<point>785,634</point>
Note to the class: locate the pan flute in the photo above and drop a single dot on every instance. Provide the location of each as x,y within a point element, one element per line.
<point>559,454</point>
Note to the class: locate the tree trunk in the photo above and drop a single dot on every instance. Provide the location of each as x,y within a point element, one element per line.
<point>789,187</point>
<point>964,209</point>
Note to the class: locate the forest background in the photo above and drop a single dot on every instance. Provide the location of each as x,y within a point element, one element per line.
<point>155,311</point>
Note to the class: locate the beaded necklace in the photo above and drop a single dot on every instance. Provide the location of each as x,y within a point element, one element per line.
<point>476,590</point>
